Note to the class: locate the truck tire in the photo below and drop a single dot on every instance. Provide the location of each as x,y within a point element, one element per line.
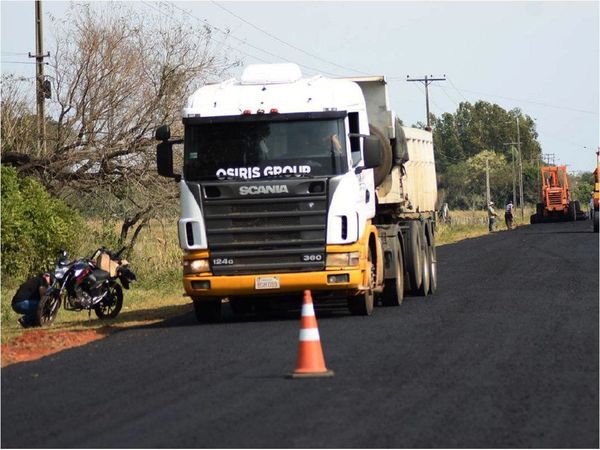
<point>362,304</point>
<point>414,256</point>
<point>539,213</point>
<point>426,274</point>
<point>433,267</point>
<point>207,310</point>
<point>596,217</point>
<point>393,291</point>
<point>382,171</point>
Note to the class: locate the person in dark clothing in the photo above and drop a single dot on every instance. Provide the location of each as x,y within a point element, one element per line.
<point>508,215</point>
<point>28,297</point>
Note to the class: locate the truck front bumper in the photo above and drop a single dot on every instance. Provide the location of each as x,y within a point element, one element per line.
<point>240,285</point>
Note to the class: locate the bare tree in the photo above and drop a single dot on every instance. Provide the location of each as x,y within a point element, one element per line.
<point>117,75</point>
<point>18,125</point>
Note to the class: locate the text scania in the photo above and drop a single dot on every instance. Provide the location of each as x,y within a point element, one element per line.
<point>272,189</point>
<point>248,173</point>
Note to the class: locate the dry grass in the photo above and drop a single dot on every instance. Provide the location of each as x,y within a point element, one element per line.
<point>471,224</point>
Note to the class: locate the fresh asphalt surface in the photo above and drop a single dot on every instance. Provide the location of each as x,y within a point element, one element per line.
<point>504,355</point>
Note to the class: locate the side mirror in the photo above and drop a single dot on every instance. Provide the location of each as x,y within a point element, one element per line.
<point>163,133</point>
<point>372,152</point>
<point>164,160</point>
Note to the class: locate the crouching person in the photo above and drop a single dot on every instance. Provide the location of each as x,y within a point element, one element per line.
<point>27,298</point>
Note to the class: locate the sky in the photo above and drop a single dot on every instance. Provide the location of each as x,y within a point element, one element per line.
<point>540,56</point>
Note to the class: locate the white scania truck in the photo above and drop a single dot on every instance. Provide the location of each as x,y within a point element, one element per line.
<point>293,183</point>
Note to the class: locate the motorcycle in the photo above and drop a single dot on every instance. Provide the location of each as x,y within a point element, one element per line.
<point>86,284</point>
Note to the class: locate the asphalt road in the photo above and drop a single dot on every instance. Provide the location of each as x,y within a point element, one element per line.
<point>504,355</point>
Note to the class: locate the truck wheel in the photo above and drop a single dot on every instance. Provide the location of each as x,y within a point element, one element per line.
<point>414,258</point>
<point>362,304</point>
<point>433,269</point>
<point>596,221</point>
<point>426,273</point>
<point>393,292</point>
<point>207,310</point>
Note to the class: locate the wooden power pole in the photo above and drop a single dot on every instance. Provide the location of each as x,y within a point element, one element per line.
<point>39,76</point>
<point>487,182</point>
<point>426,81</point>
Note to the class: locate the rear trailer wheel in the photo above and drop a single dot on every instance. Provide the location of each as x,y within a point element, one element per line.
<point>47,310</point>
<point>393,292</point>
<point>414,257</point>
<point>110,307</point>
<point>207,310</point>
<point>433,269</point>
<point>424,289</point>
<point>596,216</point>
<point>362,304</point>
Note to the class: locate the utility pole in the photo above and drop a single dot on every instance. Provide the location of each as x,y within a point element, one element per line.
<point>426,81</point>
<point>487,182</point>
<point>520,169</point>
<point>514,175</point>
<point>39,76</point>
<point>549,159</point>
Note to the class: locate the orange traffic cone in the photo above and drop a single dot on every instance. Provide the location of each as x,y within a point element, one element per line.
<point>310,354</point>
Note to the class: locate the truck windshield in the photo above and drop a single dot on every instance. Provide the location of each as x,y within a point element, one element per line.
<point>264,149</point>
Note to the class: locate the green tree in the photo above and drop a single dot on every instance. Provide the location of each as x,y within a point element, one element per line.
<point>34,225</point>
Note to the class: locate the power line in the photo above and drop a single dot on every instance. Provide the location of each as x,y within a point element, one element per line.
<point>20,62</point>
<point>284,42</point>
<point>243,41</point>
<point>210,37</point>
<point>534,102</point>
<point>457,90</point>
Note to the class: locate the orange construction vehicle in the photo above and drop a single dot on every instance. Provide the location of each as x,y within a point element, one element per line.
<point>556,204</point>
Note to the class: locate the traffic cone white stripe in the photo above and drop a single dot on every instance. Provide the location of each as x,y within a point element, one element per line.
<point>308,310</point>
<point>309,334</point>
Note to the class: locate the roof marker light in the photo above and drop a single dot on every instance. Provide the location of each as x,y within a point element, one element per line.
<point>247,112</point>
<point>274,110</point>
<point>260,111</point>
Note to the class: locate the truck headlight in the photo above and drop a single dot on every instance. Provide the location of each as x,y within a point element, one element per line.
<point>195,266</point>
<point>342,259</point>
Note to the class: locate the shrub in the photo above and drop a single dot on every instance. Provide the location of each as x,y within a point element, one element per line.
<point>34,226</point>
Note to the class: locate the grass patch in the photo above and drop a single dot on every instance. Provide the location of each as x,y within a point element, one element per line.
<point>157,295</point>
<point>471,224</point>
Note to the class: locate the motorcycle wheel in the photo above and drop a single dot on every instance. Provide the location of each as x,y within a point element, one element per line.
<point>47,310</point>
<point>110,307</point>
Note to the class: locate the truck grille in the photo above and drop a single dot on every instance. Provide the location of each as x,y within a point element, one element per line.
<point>555,197</point>
<point>265,231</point>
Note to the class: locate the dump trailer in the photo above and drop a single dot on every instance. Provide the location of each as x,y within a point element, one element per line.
<point>293,183</point>
<point>556,203</point>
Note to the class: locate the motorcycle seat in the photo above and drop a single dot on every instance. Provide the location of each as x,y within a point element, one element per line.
<point>100,274</point>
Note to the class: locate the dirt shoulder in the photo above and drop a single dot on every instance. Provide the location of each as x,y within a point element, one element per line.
<point>37,343</point>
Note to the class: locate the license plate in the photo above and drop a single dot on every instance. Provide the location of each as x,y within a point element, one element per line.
<point>266,283</point>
